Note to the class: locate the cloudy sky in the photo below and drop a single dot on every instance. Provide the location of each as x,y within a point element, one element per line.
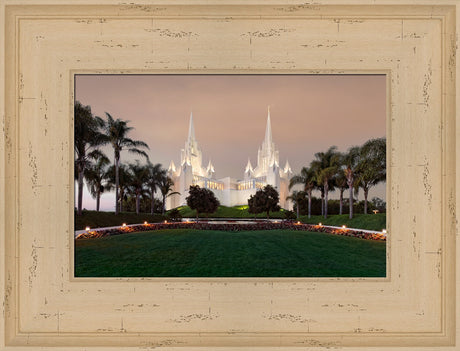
<point>309,113</point>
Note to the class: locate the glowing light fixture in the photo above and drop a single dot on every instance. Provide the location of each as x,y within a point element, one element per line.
<point>87,229</point>
<point>145,223</point>
<point>166,221</point>
<point>320,224</point>
<point>298,222</point>
<point>384,231</point>
<point>123,225</point>
<point>344,226</point>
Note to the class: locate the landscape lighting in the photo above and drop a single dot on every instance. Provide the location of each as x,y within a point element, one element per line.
<point>123,225</point>
<point>320,224</point>
<point>344,226</point>
<point>384,231</point>
<point>87,229</point>
<point>145,223</point>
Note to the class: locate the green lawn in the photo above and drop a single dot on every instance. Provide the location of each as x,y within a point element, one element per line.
<point>195,253</point>
<point>361,221</point>
<point>229,212</point>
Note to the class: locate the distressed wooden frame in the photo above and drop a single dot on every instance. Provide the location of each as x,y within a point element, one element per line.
<point>45,43</point>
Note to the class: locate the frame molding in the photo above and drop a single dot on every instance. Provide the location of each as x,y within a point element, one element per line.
<point>45,43</point>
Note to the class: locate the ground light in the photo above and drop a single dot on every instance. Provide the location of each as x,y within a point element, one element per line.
<point>145,223</point>
<point>166,222</point>
<point>320,224</point>
<point>344,227</point>
<point>87,229</point>
<point>123,225</point>
<point>384,231</point>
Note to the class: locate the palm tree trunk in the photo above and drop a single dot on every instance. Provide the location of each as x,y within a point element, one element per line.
<point>164,201</point>
<point>80,190</point>
<point>138,199</point>
<point>350,186</point>
<point>152,205</point>
<point>366,192</point>
<point>309,203</point>
<point>117,183</point>
<point>98,200</point>
<point>326,190</point>
<point>298,214</point>
<point>322,204</point>
<point>121,199</point>
<point>341,201</point>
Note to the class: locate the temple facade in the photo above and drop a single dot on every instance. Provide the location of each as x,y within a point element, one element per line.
<point>229,191</point>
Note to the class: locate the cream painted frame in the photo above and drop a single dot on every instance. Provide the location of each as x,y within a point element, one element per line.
<point>416,305</point>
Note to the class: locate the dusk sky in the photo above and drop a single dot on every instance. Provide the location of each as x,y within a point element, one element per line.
<point>309,113</point>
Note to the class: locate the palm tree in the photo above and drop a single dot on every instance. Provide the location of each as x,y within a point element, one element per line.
<point>326,165</point>
<point>297,197</point>
<point>306,177</point>
<point>155,174</point>
<point>87,138</point>
<point>96,174</point>
<point>166,187</point>
<point>341,182</point>
<point>372,168</point>
<point>123,181</point>
<point>351,161</point>
<point>117,131</point>
<point>139,176</point>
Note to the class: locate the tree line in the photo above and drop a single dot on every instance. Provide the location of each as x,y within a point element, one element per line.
<point>131,180</point>
<point>361,167</point>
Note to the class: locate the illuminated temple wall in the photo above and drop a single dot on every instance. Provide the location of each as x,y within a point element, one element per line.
<point>229,191</point>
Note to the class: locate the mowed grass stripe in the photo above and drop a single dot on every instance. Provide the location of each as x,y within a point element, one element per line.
<point>196,253</point>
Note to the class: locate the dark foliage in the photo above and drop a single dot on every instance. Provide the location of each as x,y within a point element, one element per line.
<point>264,200</point>
<point>174,215</point>
<point>202,200</point>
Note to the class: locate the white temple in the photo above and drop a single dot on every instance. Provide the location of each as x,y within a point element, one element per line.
<point>229,191</point>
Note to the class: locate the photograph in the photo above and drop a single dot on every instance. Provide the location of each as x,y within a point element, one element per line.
<point>237,175</point>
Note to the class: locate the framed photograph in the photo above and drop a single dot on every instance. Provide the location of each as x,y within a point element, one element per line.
<point>194,204</point>
<point>49,47</point>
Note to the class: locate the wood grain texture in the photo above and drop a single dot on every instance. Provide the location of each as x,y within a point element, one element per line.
<point>414,43</point>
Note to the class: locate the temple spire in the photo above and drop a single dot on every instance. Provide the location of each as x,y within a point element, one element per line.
<point>268,130</point>
<point>249,168</point>
<point>287,168</point>
<point>191,129</point>
<point>172,167</point>
<point>210,168</point>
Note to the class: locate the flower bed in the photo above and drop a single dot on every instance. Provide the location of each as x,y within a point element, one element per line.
<point>234,228</point>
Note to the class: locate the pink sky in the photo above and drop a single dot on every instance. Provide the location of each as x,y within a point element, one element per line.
<point>309,113</point>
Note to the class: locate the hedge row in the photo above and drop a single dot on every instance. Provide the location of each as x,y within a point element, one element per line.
<point>232,227</point>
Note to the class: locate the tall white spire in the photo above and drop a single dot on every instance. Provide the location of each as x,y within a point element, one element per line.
<point>249,168</point>
<point>210,168</point>
<point>172,167</point>
<point>287,168</point>
<point>268,130</point>
<point>191,129</point>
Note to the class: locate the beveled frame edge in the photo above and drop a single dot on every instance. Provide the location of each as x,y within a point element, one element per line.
<point>6,177</point>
